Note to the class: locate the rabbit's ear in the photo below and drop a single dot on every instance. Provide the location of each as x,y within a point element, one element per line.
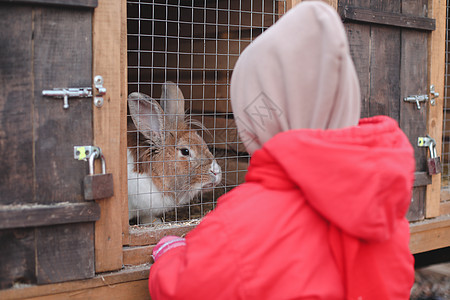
<point>147,115</point>
<point>172,102</point>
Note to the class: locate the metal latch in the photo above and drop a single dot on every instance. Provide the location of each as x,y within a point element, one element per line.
<point>86,92</point>
<point>422,98</point>
<point>417,99</point>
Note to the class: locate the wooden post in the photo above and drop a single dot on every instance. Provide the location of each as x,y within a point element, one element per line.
<point>436,62</point>
<point>123,122</point>
<point>108,135</point>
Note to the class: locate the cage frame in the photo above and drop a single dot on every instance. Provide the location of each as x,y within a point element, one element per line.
<point>117,245</point>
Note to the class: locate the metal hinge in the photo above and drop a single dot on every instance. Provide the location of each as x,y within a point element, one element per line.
<point>86,92</point>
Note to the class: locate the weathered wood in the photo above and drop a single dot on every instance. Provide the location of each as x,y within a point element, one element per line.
<point>436,72</point>
<point>133,256</point>
<point>349,13</point>
<point>141,235</point>
<point>17,257</point>
<point>359,42</point>
<point>421,179</point>
<point>62,45</point>
<point>102,286</point>
<point>18,216</point>
<point>385,72</point>
<point>16,114</point>
<point>74,3</point>
<point>430,234</point>
<point>108,60</point>
<point>391,62</point>
<point>414,81</point>
<point>64,253</point>
<point>416,210</point>
<point>121,291</point>
<point>123,123</point>
<point>444,208</point>
<point>43,43</point>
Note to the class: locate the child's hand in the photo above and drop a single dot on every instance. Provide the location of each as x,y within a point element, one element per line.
<point>167,243</point>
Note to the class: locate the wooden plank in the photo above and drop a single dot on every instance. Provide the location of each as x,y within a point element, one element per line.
<point>142,236</point>
<point>414,82</point>
<point>64,253</point>
<point>62,55</point>
<point>445,208</point>
<point>19,216</point>
<point>16,115</point>
<point>416,210</point>
<point>17,258</point>
<point>123,122</point>
<point>74,3</point>
<point>430,234</point>
<point>71,289</point>
<point>385,72</point>
<point>436,75</point>
<point>358,14</point>
<point>121,291</point>
<point>108,62</point>
<point>359,42</point>
<point>133,256</point>
<point>421,179</point>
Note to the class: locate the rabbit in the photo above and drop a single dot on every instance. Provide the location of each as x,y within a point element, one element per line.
<point>168,162</point>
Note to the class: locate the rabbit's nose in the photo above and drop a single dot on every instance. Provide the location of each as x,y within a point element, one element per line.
<point>216,172</point>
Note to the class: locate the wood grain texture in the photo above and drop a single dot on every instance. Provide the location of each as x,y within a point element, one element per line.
<point>64,253</point>
<point>133,256</point>
<point>123,122</point>
<point>391,63</point>
<point>18,216</point>
<point>16,106</point>
<point>107,36</point>
<point>74,3</point>
<point>17,259</point>
<point>385,18</point>
<point>100,287</point>
<point>436,62</point>
<point>416,210</point>
<point>62,57</point>
<point>121,291</point>
<point>359,42</point>
<point>430,234</point>
<point>141,236</point>
<point>414,81</point>
<point>46,47</point>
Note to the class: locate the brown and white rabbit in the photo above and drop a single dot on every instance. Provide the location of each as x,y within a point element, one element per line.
<point>168,162</point>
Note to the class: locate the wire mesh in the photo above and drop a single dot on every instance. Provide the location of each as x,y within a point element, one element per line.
<point>194,44</point>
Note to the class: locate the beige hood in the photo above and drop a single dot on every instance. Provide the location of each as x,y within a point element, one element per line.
<point>297,74</point>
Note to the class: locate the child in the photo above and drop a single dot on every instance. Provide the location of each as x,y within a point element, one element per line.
<point>322,212</point>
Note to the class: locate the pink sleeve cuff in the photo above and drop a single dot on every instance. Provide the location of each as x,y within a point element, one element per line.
<point>165,244</point>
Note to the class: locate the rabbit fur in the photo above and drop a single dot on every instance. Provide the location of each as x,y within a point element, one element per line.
<point>168,162</point>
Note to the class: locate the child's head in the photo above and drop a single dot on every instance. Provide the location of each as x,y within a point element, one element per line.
<point>297,74</point>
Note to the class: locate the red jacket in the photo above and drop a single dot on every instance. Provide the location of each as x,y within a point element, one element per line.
<point>320,216</point>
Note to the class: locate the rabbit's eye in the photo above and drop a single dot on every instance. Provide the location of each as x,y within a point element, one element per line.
<point>184,151</point>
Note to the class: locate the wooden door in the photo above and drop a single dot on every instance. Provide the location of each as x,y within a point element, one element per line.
<point>389,45</point>
<point>46,227</point>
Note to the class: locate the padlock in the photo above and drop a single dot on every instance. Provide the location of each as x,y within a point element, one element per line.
<point>98,186</point>
<point>434,162</point>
